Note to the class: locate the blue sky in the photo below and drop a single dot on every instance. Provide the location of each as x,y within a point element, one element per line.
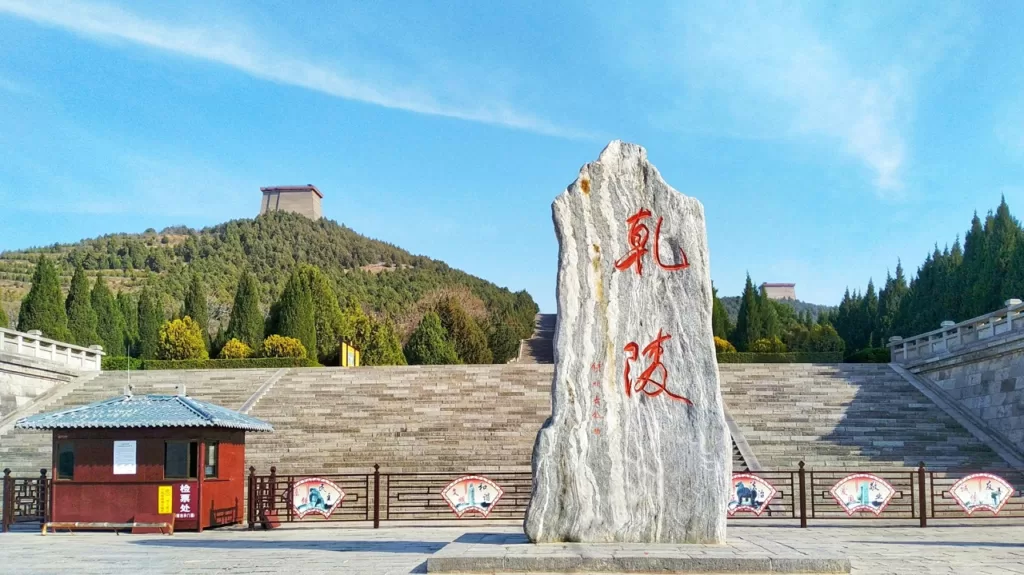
<point>825,140</point>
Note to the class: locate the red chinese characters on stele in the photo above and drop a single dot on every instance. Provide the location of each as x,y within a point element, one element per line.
<point>653,380</point>
<point>639,234</point>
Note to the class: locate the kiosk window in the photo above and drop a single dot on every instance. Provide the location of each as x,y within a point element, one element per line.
<point>65,460</point>
<point>210,461</point>
<point>181,459</point>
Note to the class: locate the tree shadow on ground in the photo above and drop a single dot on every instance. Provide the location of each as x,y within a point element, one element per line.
<point>410,547</point>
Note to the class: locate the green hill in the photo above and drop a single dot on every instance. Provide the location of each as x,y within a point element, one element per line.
<point>384,279</point>
<point>732,306</point>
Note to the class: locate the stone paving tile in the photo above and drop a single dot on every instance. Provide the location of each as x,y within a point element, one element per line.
<point>979,548</point>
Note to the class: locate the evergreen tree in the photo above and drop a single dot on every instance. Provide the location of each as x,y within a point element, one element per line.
<point>81,316</point>
<point>1001,245</point>
<point>196,307</point>
<point>327,316</point>
<point>294,315</point>
<point>719,316</point>
<point>970,271</point>
<point>109,323</point>
<point>246,322</point>
<point>503,342</point>
<point>381,345</point>
<point>889,302</point>
<point>869,317</point>
<point>129,309</point>
<point>749,327</point>
<point>464,334</point>
<point>151,319</point>
<point>429,345</point>
<point>43,307</point>
<point>4,322</point>
<point>771,326</point>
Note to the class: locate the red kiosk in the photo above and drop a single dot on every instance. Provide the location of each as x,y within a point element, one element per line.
<point>147,462</point>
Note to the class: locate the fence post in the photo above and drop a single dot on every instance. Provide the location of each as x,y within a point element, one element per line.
<point>803,496</point>
<point>921,496</point>
<point>250,507</point>
<point>8,496</point>
<point>271,491</point>
<point>376,495</point>
<point>42,496</point>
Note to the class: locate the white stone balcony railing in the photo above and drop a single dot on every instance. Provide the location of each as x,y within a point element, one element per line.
<point>953,336</point>
<point>33,344</point>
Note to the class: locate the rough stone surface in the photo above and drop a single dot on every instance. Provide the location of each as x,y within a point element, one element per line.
<point>620,459</point>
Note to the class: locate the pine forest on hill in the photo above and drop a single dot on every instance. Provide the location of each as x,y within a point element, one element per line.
<point>382,281</point>
<point>956,283</point>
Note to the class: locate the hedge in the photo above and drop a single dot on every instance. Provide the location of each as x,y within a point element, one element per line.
<point>120,363</point>
<point>789,357</point>
<point>870,355</point>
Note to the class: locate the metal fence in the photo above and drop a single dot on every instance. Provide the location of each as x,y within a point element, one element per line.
<point>800,495</point>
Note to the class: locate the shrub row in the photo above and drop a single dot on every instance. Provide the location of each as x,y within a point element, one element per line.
<point>121,363</point>
<point>790,357</point>
<point>870,355</point>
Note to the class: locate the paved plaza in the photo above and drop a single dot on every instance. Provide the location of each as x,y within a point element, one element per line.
<point>980,548</point>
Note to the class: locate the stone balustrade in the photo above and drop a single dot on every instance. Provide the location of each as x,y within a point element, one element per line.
<point>34,345</point>
<point>951,336</point>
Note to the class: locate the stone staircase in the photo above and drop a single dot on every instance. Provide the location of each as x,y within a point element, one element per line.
<point>845,416</point>
<point>26,451</point>
<point>417,418</point>
<point>459,418</point>
<point>540,348</point>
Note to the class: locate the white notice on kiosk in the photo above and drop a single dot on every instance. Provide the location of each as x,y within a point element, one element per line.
<point>124,458</point>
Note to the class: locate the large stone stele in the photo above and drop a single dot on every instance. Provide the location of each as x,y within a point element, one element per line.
<point>620,459</point>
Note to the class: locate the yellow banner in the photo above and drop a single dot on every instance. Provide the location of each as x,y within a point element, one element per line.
<point>165,500</point>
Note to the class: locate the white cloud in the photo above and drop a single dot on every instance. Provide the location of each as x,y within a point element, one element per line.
<point>242,51</point>
<point>778,64</point>
<point>845,80</point>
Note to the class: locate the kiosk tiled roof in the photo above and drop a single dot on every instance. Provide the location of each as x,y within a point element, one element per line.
<point>145,411</point>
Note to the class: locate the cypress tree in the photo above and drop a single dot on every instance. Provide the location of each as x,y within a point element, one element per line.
<point>4,322</point>
<point>719,316</point>
<point>748,323</point>
<point>81,316</point>
<point>43,307</point>
<point>970,270</point>
<point>327,316</point>
<point>151,318</point>
<point>129,309</point>
<point>381,346</point>
<point>503,341</point>
<point>246,322</point>
<point>429,345</point>
<point>109,323</point>
<point>295,317</point>
<point>869,315</point>
<point>464,334</point>
<point>1003,242</point>
<point>770,322</point>
<point>196,307</point>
